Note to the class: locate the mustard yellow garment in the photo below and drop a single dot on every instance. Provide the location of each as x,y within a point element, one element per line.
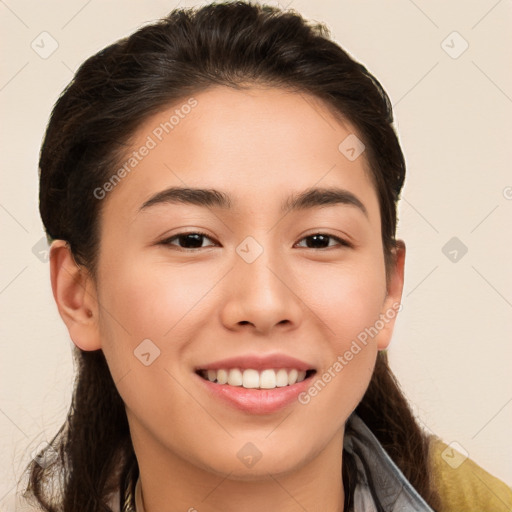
<point>464,486</point>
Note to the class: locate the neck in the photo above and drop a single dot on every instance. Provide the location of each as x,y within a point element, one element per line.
<point>170,483</point>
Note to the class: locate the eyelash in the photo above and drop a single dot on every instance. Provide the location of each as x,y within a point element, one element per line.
<point>167,241</point>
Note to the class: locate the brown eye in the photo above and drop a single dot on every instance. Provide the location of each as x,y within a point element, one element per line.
<point>321,241</point>
<point>191,240</point>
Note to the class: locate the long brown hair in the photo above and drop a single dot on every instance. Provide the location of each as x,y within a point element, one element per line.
<point>113,92</point>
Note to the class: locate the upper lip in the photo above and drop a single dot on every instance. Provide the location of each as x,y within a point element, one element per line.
<point>258,362</point>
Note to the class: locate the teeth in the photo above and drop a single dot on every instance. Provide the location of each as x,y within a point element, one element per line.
<point>282,378</point>
<point>267,379</point>
<point>253,379</point>
<point>293,376</point>
<point>222,376</point>
<point>235,377</point>
<point>250,379</point>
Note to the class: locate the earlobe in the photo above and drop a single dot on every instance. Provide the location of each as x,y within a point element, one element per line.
<point>75,295</point>
<point>392,304</point>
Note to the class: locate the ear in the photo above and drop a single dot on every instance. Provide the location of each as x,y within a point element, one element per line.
<point>74,292</point>
<point>392,303</point>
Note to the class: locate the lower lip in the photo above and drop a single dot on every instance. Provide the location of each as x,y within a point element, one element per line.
<point>256,401</point>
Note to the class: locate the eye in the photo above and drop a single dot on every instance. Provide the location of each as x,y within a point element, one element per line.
<point>194,240</point>
<point>321,241</point>
<point>189,241</point>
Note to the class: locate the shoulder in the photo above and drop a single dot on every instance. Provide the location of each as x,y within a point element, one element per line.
<point>464,485</point>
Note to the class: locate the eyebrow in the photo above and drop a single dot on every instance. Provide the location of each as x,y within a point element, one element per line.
<point>212,198</point>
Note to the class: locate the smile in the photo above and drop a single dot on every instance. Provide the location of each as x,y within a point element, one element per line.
<point>256,383</point>
<point>253,379</point>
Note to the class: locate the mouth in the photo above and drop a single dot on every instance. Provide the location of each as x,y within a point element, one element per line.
<point>256,383</point>
<point>250,378</point>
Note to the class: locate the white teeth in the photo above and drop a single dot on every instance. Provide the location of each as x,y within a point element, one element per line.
<point>250,379</point>
<point>235,377</point>
<point>222,376</point>
<point>267,379</point>
<point>281,378</point>
<point>253,379</point>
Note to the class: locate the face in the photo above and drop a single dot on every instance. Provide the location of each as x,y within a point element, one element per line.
<point>279,279</point>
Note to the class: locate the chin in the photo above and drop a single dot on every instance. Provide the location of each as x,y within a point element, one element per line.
<point>262,469</point>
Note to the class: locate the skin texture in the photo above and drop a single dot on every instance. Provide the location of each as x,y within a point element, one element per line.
<point>258,145</point>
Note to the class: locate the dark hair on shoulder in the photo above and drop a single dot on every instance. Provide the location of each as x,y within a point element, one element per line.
<point>234,44</point>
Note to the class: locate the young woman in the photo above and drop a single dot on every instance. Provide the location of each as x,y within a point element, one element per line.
<point>220,192</point>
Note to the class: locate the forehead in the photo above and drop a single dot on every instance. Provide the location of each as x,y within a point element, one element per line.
<point>258,143</point>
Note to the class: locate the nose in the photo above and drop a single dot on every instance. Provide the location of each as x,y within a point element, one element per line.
<point>261,296</point>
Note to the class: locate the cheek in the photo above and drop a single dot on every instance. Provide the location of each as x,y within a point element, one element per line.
<point>152,309</point>
<point>347,301</point>
<point>165,304</point>
<point>347,298</point>
<point>152,300</point>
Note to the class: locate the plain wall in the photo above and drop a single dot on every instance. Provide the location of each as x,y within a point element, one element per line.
<point>451,350</point>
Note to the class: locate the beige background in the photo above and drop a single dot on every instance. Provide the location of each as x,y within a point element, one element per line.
<point>452,347</point>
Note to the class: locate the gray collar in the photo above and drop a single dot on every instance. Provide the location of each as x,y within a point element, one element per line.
<point>392,491</point>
